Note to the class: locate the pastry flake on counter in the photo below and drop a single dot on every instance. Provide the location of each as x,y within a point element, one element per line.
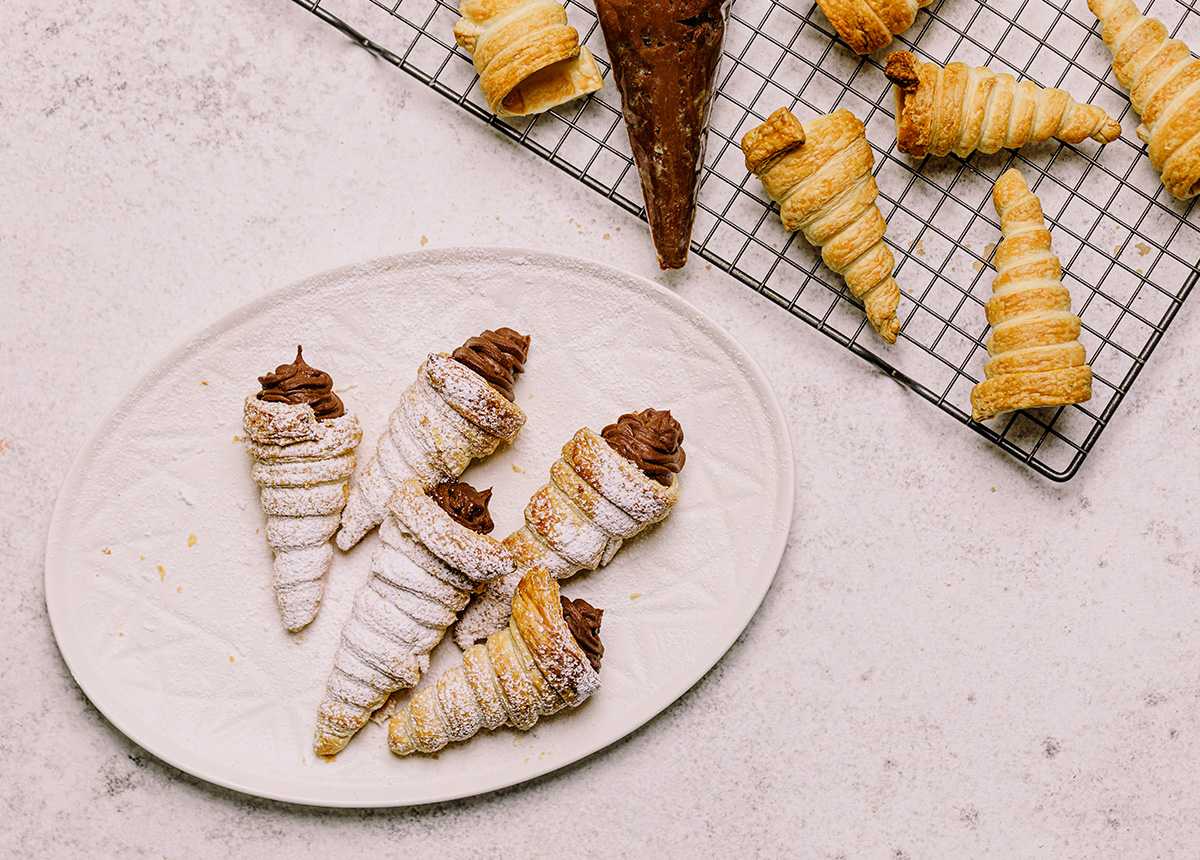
<point>1035,357</point>
<point>605,488</point>
<point>434,553</point>
<point>302,442</point>
<point>665,55</point>
<point>819,173</point>
<point>1161,75</point>
<point>448,417</point>
<point>961,109</point>
<point>534,667</point>
<point>528,58</point>
<point>868,26</point>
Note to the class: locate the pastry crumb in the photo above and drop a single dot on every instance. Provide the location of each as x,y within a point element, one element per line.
<point>635,595</point>
<point>162,574</point>
<point>424,241</point>
<point>518,469</point>
<point>106,551</point>
<point>192,539</point>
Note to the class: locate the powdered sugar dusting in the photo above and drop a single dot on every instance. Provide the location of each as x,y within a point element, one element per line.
<point>699,574</point>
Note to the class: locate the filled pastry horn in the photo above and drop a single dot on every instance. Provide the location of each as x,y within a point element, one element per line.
<point>1036,358</point>
<point>460,408</point>
<point>868,25</point>
<point>547,658</point>
<point>528,59</point>
<point>961,109</point>
<point>435,551</point>
<point>1161,75</point>
<point>302,442</point>
<point>819,173</point>
<point>605,488</point>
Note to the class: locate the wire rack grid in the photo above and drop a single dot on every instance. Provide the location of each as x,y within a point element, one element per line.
<point>1129,250</point>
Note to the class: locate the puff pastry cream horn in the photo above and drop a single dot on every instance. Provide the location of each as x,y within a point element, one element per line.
<point>819,173</point>
<point>961,109</point>
<point>1036,358</point>
<point>435,551</point>
<point>528,59</point>
<point>868,25</point>
<point>547,658</point>
<point>1163,79</point>
<point>302,442</point>
<point>605,488</point>
<point>460,408</point>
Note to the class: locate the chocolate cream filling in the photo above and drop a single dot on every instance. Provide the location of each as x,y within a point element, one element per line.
<point>297,383</point>
<point>651,439</point>
<point>498,356</point>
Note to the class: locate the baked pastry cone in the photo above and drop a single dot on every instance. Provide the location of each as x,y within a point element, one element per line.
<point>1164,86</point>
<point>665,55</point>
<point>435,551</point>
<point>1035,357</point>
<point>961,109</point>
<point>460,408</point>
<point>537,665</point>
<point>819,173</point>
<point>605,488</point>
<point>868,25</point>
<point>527,57</point>
<point>302,442</point>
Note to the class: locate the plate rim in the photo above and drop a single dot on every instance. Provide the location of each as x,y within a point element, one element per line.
<point>499,253</point>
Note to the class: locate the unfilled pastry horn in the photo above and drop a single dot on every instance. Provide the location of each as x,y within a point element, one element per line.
<point>819,173</point>
<point>435,551</point>
<point>605,488</point>
<point>460,408</point>
<point>1036,358</point>
<point>868,25</point>
<point>303,444</point>
<point>1164,86</point>
<point>961,109</point>
<point>537,665</point>
<point>527,57</point>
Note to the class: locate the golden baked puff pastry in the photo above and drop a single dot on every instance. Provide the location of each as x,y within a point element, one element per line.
<point>1164,86</point>
<point>819,173</point>
<point>546,659</point>
<point>527,57</point>
<point>1036,358</point>
<point>961,109</point>
<point>868,25</point>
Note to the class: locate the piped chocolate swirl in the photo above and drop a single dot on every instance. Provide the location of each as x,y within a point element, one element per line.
<point>466,505</point>
<point>498,356</point>
<point>583,620</point>
<point>651,439</point>
<point>298,383</point>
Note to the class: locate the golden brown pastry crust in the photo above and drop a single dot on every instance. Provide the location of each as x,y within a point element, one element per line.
<point>1035,355</point>
<point>868,25</point>
<point>595,500</point>
<point>528,59</point>
<point>532,668</point>
<point>962,110</point>
<point>1164,86</point>
<point>819,173</point>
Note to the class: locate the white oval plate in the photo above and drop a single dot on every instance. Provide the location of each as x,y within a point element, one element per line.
<point>158,580</point>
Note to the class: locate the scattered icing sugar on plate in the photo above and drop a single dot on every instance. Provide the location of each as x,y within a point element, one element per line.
<point>150,623</point>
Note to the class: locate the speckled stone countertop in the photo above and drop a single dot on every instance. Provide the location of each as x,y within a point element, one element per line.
<point>957,658</point>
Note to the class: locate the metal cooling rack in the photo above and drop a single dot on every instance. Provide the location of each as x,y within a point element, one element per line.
<point>1130,249</point>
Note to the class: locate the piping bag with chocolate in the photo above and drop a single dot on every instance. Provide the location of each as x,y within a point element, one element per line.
<point>606,487</point>
<point>459,408</point>
<point>546,658</point>
<point>665,55</point>
<point>302,442</point>
<point>435,551</point>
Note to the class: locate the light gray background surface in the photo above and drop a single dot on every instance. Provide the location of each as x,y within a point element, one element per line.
<point>956,659</point>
